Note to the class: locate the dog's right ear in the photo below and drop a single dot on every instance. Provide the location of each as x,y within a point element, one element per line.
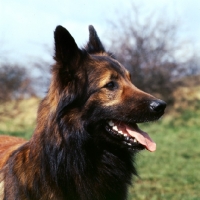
<point>66,49</point>
<point>94,45</point>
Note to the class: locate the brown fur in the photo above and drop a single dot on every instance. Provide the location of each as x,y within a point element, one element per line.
<point>71,155</point>
<point>7,146</point>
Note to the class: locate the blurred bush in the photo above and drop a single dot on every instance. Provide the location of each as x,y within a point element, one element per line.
<point>15,83</point>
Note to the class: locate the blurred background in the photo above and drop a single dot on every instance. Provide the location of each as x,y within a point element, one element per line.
<point>158,41</point>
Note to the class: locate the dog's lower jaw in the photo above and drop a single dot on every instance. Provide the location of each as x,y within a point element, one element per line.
<point>129,135</point>
<point>124,140</point>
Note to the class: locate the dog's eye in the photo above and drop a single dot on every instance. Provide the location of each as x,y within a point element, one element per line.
<point>111,85</point>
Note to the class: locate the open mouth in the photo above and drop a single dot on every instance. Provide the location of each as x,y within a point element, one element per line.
<point>130,135</point>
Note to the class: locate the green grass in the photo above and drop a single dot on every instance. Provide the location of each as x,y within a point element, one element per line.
<point>170,173</point>
<point>19,119</point>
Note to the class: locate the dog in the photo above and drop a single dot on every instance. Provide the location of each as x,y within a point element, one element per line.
<point>86,136</point>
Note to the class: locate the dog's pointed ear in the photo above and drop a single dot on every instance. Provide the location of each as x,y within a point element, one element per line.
<point>66,49</point>
<point>94,45</point>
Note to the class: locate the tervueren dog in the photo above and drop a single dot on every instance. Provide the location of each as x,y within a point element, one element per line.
<point>86,137</point>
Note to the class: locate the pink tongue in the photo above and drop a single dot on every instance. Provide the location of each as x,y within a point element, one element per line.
<point>142,137</point>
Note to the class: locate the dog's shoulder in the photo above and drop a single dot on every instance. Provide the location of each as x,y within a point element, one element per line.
<point>8,144</point>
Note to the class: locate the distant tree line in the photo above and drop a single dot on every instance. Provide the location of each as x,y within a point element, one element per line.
<point>149,47</point>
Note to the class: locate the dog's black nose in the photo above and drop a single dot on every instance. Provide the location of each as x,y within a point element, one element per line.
<point>157,105</point>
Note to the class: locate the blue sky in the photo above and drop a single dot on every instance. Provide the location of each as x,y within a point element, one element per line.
<point>26,26</point>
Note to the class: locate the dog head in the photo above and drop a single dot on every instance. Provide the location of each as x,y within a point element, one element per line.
<point>91,90</point>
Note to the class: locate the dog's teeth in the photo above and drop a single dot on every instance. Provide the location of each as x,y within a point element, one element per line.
<point>111,123</point>
<point>120,132</point>
<point>115,128</point>
<point>127,138</point>
<point>133,140</point>
<point>125,135</point>
<point>127,143</point>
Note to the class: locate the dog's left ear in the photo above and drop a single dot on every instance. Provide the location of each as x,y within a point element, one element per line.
<point>66,49</point>
<point>94,45</point>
